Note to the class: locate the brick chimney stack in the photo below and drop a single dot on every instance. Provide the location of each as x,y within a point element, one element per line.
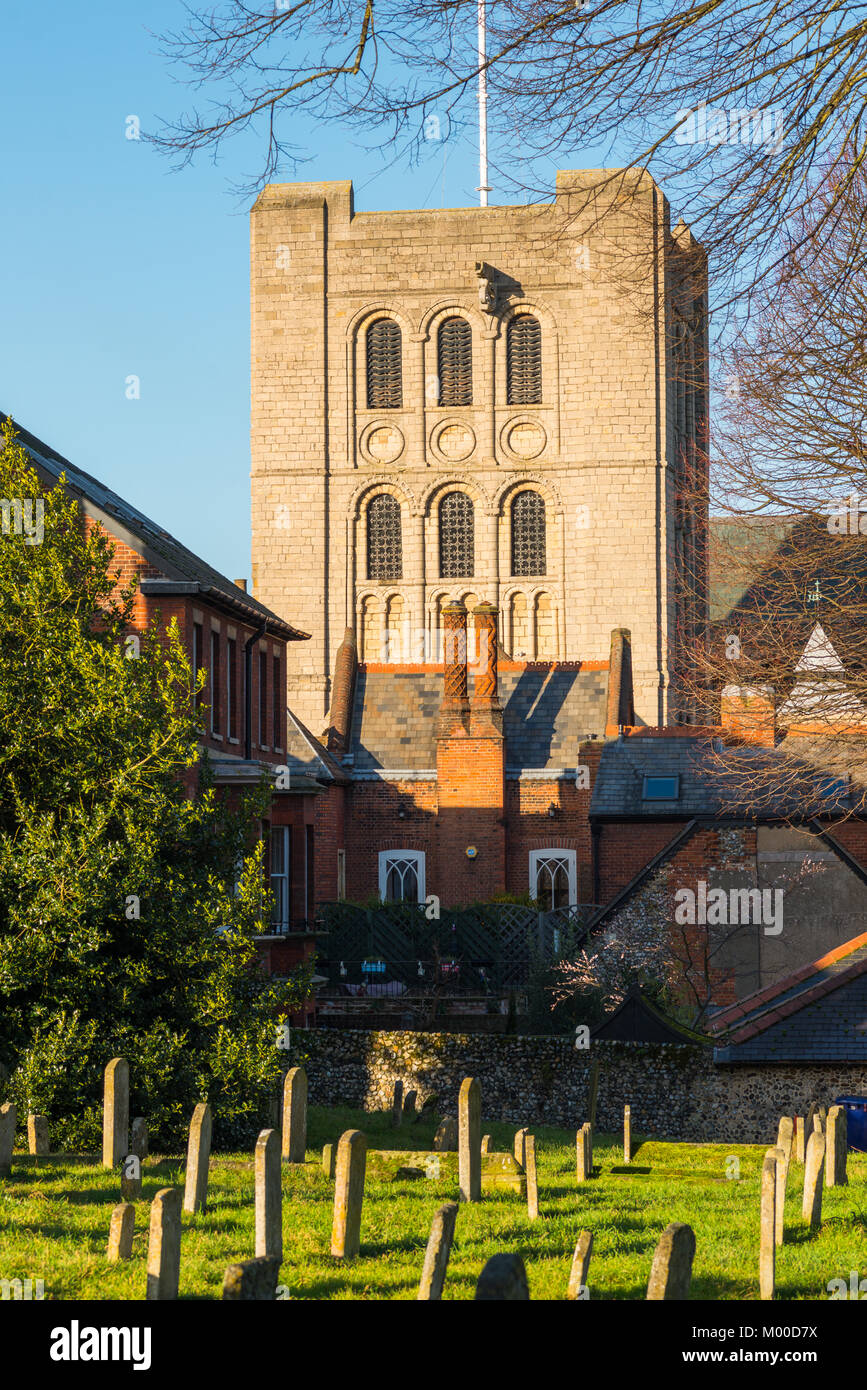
<point>471,763</point>
<point>748,712</point>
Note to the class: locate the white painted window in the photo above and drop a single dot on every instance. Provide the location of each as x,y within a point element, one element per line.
<point>554,877</point>
<point>280,876</point>
<point>401,876</point>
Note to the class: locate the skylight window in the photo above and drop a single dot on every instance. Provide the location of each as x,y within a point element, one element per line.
<point>661,788</point>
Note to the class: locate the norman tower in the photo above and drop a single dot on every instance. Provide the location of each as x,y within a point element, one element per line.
<point>500,404</point>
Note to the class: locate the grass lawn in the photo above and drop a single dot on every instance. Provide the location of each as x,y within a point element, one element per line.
<point>54,1220</point>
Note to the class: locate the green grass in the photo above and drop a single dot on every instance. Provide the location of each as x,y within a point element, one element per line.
<point>55,1212</point>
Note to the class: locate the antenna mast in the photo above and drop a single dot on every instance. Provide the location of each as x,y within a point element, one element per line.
<point>484,187</point>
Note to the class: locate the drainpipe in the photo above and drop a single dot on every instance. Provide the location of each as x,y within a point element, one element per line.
<point>248,688</point>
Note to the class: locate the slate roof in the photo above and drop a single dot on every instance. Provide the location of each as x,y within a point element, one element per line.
<point>637,1019</point>
<point>305,755</point>
<point>817,1014</point>
<point>124,521</point>
<point>708,786</point>
<point>547,709</point>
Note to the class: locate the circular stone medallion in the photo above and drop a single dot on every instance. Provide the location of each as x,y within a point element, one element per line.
<point>384,443</point>
<point>526,439</point>
<point>456,442</point>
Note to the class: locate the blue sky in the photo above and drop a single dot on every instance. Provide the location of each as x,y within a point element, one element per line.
<point>115,265</point>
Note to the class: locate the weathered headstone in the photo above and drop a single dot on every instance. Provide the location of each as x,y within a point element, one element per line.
<point>820,1119</point>
<point>269,1196</point>
<point>532,1179</point>
<point>671,1271</point>
<point>782,1172</point>
<point>37,1134</point>
<point>121,1232</point>
<point>198,1158</point>
<point>470,1140</point>
<point>446,1137</point>
<point>115,1112</point>
<point>397,1104</point>
<point>580,1265</point>
<point>348,1194</point>
<point>767,1232</point>
<point>436,1256</point>
<point>409,1106</point>
<point>253,1280</point>
<point>800,1138</point>
<point>295,1115</point>
<point>785,1136</point>
<point>8,1120</point>
<point>164,1245</point>
<point>520,1146</point>
<point>593,1093</point>
<point>583,1158</point>
<point>813,1174</point>
<point>836,1147</point>
<point>130,1178</point>
<point>486,1144</point>
<point>138,1141</point>
<point>809,1124</point>
<point>503,1279</point>
<point>329,1160</point>
<point>627,1134</point>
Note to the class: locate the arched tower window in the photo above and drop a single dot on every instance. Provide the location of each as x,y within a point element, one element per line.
<point>384,545</point>
<point>524,360</point>
<point>384,373</point>
<point>528,534</point>
<point>455,362</point>
<point>457,536</point>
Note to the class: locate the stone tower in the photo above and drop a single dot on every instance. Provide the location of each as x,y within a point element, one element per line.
<point>501,405</point>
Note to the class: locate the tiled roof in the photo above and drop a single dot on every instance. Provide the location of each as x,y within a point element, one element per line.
<point>818,1013</point>
<point>306,755</point>
<point>121,519</point>
<point>547,710</point>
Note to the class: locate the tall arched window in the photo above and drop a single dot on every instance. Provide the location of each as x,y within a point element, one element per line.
<point>457,536</point>
<point>524,360</point>
<point>384,545</point>
<point>528,533</point>
<point>455,362</point>
<point>384,374</point>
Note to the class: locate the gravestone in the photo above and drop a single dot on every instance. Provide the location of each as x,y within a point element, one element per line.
<point>115,1112</point>
<point>532,1180</point>
<point>329,1160</point>
<point>8,1120</point>
<point>671,1271</point>
<point>397,1104</point>
<point>800,1138</point>
<point>594,1092</point>
<point>520,1146</point>
<point>164,1245</point>
<point>348,1194</point>
<point>780,1198</point>
<point>503,1279</point>
<point>580,1266</point>
<point>627,1134</point>
<point>130,1178</point>
<point>446,1137</point>
<point>138,1143</point>
<point>37,1134</point>
<point>470,1140</point>
<point>198,1157</point>
<point>767,1230</point>
<point>436,1256</point>
<point>822,1117</point>
<point>121,1232</point>
<point>813,1173</point>
<point>295,1115</point>
<point>583,1159</point>
<point>269,1196</point>
<point>836,1146</point>
<point>486,1144</point>
<point>809,1124</point>
<point>785,1136</point>
<point>409,1106</point>
<point>254,1280</point>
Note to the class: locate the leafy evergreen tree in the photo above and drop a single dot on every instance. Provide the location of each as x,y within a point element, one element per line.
<point>127,908</point>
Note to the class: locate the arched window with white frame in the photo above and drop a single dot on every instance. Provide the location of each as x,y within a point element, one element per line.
<point>401,876</point>
<point>554,878</point>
